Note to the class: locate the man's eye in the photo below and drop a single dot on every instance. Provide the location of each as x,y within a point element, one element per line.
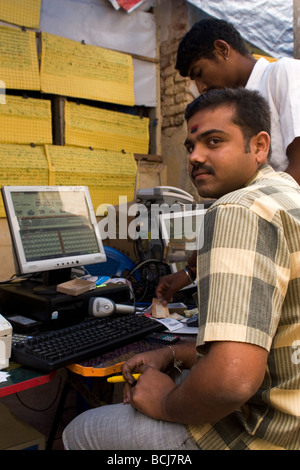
<point>196,74</point>
<point>214,141</point>
<point>190,149</point>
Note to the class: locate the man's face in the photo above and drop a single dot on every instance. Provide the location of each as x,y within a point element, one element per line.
<point>218,162</point>
<point>212,73</point>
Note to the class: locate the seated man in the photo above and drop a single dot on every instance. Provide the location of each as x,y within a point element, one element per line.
<point>242,391</point>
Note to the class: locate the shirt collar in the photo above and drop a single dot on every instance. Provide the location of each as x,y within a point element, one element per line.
<point>257,72</point>
<point>267,172</point>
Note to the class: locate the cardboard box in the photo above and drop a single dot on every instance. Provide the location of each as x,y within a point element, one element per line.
<point>76,287</point>
<point>17,435</point>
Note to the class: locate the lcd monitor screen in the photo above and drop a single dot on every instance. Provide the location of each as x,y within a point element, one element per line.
<point>52,227</point>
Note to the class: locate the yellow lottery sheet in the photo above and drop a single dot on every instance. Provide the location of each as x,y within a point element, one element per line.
<point>22,165</point>
<point>70,68</point>
<point>25,121</point>
<point>21,12</point>
<point>107,174</point>
<point>88,126</point>
<point>19,68</point>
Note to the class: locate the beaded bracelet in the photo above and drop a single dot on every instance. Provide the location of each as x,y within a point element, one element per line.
<point>176,363</point>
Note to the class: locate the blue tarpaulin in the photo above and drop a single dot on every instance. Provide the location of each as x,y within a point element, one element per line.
<point>267,24</point>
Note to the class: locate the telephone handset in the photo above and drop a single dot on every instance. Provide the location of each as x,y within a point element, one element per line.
<point>172,189</point>
<point>168,194</point>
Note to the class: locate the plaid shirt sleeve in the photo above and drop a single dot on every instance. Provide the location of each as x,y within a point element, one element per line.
<point>242,280</point>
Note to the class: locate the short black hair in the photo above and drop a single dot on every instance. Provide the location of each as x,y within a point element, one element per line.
<point>252,112</point>
<point>199,42</point>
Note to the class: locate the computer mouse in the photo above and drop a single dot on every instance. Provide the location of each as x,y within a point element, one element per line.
<point>193,321</point>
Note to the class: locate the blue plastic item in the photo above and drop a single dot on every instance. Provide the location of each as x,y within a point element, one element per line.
<point>115,265</point>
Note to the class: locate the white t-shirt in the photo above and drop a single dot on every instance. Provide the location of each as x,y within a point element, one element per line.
<point>279,83</point>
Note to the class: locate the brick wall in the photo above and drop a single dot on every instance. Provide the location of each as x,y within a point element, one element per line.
<point>175,94</point>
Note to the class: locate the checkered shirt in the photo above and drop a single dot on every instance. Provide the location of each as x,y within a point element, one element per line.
<point>249,291</point>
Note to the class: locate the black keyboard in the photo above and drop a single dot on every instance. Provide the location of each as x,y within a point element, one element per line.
<point>94,336</point>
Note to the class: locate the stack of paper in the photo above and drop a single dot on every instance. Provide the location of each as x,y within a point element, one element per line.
<point>70,68</point>
<point>88,126</point>
<point>25,121</point>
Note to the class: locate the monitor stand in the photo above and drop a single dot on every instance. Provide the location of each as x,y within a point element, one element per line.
<point>50,279</point>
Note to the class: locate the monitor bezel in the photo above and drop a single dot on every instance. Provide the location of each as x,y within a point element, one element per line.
<point>165,236</point>
<point>23,266</point>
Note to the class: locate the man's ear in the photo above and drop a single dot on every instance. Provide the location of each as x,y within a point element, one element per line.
<point>262,145</point>
<point>222,47</point>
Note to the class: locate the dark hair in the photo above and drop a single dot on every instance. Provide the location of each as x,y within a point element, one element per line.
<point>199,42</point>
<point>252,112</point>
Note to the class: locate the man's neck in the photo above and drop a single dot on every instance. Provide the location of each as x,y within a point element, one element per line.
<point>246,65</point>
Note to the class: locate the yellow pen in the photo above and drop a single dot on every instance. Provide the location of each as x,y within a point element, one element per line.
<point>119,378</point>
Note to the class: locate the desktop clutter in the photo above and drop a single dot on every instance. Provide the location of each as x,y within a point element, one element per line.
<point>105,326</point>
<point>55,310</point>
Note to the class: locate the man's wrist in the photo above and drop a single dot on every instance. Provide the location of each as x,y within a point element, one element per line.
<point>190,273</point>
<point>176,363</point>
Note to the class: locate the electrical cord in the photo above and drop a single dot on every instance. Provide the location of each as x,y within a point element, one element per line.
<point>150,271</point>
<point>14,277</point>
<point>147,261</point>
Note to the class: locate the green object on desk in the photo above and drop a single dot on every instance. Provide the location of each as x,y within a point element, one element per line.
<point>19,378</point>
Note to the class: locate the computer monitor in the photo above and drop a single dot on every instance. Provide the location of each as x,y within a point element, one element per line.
<point>53,229</point>
<point>182,235</point>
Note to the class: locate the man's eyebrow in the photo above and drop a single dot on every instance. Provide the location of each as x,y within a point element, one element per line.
<point>203,135</point>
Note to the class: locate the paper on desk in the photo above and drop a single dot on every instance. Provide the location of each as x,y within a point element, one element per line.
<point>187,330</point>
<point>170,323</point>
<point>178,326</point>
<point>4,376</point>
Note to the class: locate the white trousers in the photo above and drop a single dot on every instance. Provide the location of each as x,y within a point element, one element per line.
<point>121,427</point>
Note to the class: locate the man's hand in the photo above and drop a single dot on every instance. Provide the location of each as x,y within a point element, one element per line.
<point>159,359</point>
<point>169,285</point>
<point>172,283</point>
<point>218,384</point>
<point>150,389</point>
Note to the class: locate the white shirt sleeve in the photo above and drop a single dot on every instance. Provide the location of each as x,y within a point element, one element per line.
<point>279,83</point>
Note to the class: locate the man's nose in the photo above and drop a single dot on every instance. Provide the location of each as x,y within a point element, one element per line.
<point>198,155</point>
<point>202,87</point>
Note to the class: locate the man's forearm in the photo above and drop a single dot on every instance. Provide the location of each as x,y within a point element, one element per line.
<point>185,353</point>
<point>190,404</point>
<point>220,383</point>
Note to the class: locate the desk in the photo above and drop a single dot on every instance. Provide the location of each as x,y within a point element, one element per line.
<point>101,367</point>
<point>17,434</point>
<point>22,378</point>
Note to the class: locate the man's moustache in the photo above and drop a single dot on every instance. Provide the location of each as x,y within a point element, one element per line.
<point>202,168</point>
